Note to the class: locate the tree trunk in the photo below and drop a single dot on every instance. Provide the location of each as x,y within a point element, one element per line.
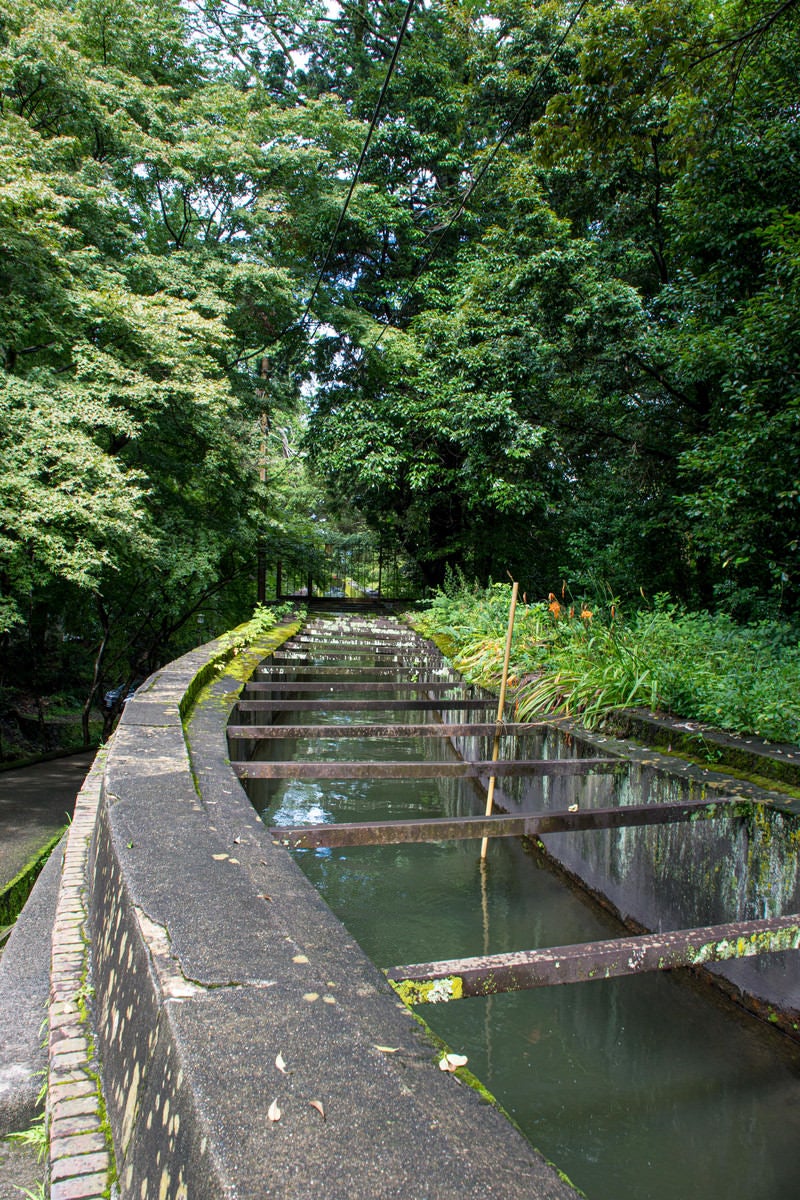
<point>98,667</point>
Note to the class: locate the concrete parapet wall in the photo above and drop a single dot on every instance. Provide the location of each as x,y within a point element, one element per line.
<point>674,876</point>
<point>247,1046</point>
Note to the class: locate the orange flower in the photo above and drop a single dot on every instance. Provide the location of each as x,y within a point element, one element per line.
<point>586,613</point>
<point>554,607</point>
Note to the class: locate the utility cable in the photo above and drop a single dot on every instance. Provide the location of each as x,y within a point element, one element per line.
<point>372,126</point>
<point>507,128</point>
<point>365,147</point>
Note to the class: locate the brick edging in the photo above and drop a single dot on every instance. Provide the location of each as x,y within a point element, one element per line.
<point>80,1160</point>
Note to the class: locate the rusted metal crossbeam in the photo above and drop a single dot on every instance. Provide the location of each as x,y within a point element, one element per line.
<point>363,638</point>
<point>446,829</point>
<point>358,656</point>
<point>364,632</point>
<point>355,629</point>
<point>385,657</point>
<point>421,770</point>
<point>387,649</point>
<point>316,646</point>
<point>378,687</point>
<point>352,672</point>
<point>333,704</point>
<point>483,729</point>
<point>486,975</point>
<point>348,663</point>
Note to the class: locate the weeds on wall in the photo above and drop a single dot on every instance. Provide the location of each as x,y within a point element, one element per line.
<point>585,657</point>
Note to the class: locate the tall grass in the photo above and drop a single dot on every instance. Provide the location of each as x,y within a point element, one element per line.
<point>585,660</point>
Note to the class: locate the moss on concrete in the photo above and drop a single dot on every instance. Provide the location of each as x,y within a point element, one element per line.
<point>237,655</point>
<point>708,747</point>
<point>14,894</point>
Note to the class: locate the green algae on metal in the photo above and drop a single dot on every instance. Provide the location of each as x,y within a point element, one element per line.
<point>432,991</point>
<point>762,941</point>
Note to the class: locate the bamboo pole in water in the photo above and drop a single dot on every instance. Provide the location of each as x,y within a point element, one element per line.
<point>501,703</point>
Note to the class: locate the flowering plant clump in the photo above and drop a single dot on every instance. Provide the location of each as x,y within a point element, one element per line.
<point>586,659</point>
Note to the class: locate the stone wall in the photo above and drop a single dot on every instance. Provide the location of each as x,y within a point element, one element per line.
<point>678,876</point>
<point>247,1047</point>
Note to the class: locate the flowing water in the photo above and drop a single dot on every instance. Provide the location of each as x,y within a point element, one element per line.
<point>641,1088</point>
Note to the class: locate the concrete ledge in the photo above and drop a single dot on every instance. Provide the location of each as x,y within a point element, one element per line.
<point>213,955</point>
<point>749,754</point>
<point>24,991</point>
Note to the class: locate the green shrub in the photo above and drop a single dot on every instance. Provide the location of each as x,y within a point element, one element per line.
<point>586,659</point>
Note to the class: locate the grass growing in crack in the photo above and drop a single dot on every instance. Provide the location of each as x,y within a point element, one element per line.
<point>34,1138</point>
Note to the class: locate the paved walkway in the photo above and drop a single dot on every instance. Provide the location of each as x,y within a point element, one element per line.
<point>35,802</point>
<point>20,1171</point>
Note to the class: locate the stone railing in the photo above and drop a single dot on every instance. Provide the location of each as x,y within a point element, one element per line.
<point>243,1043</point>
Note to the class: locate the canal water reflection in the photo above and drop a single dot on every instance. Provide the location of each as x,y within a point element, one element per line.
<point>642,1088</point>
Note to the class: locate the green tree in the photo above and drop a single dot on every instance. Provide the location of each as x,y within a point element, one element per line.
<point>150,210</point>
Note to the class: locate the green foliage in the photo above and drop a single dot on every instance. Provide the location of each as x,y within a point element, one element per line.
<point>593,377</point>
<point>742,678</point>
<point>39,1194</point>
<point>584,660</point>
<point>266,618</point>
<point>35,1137</point>
<point>155,212</point>
<point>596,373</point>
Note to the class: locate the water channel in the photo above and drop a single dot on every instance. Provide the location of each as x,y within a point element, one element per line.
<point>643,1088</point>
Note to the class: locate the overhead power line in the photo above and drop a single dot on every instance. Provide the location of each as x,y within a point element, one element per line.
<point>365,147</point>
<point>507,128</point>
<point>372,126</point>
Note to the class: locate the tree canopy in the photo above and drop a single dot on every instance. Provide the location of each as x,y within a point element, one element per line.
<point>556,332</point>
<point>596,374</point>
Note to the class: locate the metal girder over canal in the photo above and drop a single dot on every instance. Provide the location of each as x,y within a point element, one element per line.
<point>421,770</point>
<point>439,829</point>
<point>306,685</point>
<point>488,975</point>
<point>402,688</point>
<point>333,703</point>
<point>248,733</point>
